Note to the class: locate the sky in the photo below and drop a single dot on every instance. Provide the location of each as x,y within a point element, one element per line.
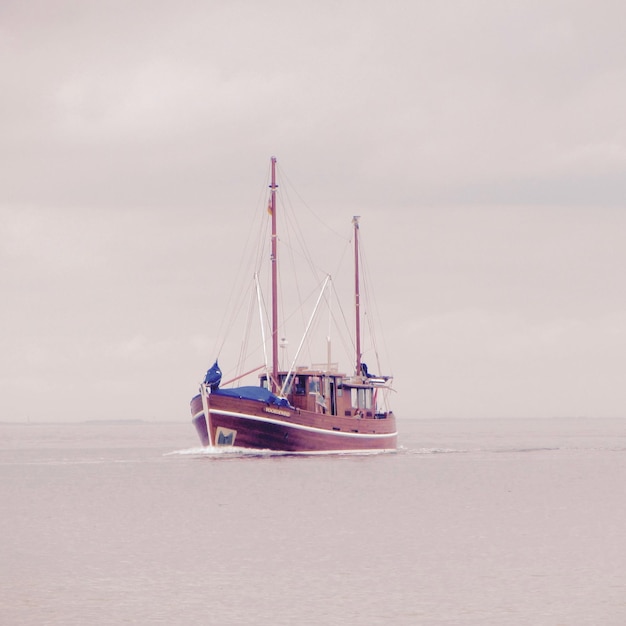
<point>482,143</point>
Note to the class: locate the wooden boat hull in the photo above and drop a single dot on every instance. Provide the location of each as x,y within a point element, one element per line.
<point>258,425</point>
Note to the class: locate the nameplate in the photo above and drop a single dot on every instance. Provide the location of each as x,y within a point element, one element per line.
<point>280,412</point>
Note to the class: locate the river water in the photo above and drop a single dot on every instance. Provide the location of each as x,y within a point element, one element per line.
<point>470,522</point>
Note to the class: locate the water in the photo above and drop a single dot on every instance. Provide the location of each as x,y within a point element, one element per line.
<point>472,522</point>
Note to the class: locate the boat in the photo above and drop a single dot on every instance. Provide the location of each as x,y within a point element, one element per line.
<point>301,408</point>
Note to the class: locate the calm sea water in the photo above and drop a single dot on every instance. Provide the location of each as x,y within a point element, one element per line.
<point>472,522</point>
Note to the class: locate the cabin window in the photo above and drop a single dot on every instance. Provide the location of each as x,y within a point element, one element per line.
<point>298,385</point>
<point>361,398</point>
<point>314,384</point>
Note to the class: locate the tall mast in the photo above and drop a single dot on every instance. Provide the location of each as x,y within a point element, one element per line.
<point>357,303</point>
<point>273,186</point>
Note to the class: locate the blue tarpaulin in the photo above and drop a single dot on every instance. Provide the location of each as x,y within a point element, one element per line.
<point>253,393</point>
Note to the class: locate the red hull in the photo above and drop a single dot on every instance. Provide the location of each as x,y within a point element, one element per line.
<point>253,424</point>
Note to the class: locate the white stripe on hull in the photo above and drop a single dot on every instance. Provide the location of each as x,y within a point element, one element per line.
<point>338,433</point>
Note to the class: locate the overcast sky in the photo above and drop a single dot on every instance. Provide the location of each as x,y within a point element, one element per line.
<point>483,143</point>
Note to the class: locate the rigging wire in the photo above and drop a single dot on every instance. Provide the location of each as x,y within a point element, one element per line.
<point>241,288</point>
<point>306,206</point>
<point>295,246</point>
<point>371,305</point>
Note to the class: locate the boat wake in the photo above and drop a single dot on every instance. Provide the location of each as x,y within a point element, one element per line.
<point>233,452</point>
<point>403,450</point>
<point>223,452</point>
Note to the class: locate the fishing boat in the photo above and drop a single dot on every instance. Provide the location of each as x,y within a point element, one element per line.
<point>301,408</point>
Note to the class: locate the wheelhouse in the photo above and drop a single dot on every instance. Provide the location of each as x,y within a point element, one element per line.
<point>331,393</point>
